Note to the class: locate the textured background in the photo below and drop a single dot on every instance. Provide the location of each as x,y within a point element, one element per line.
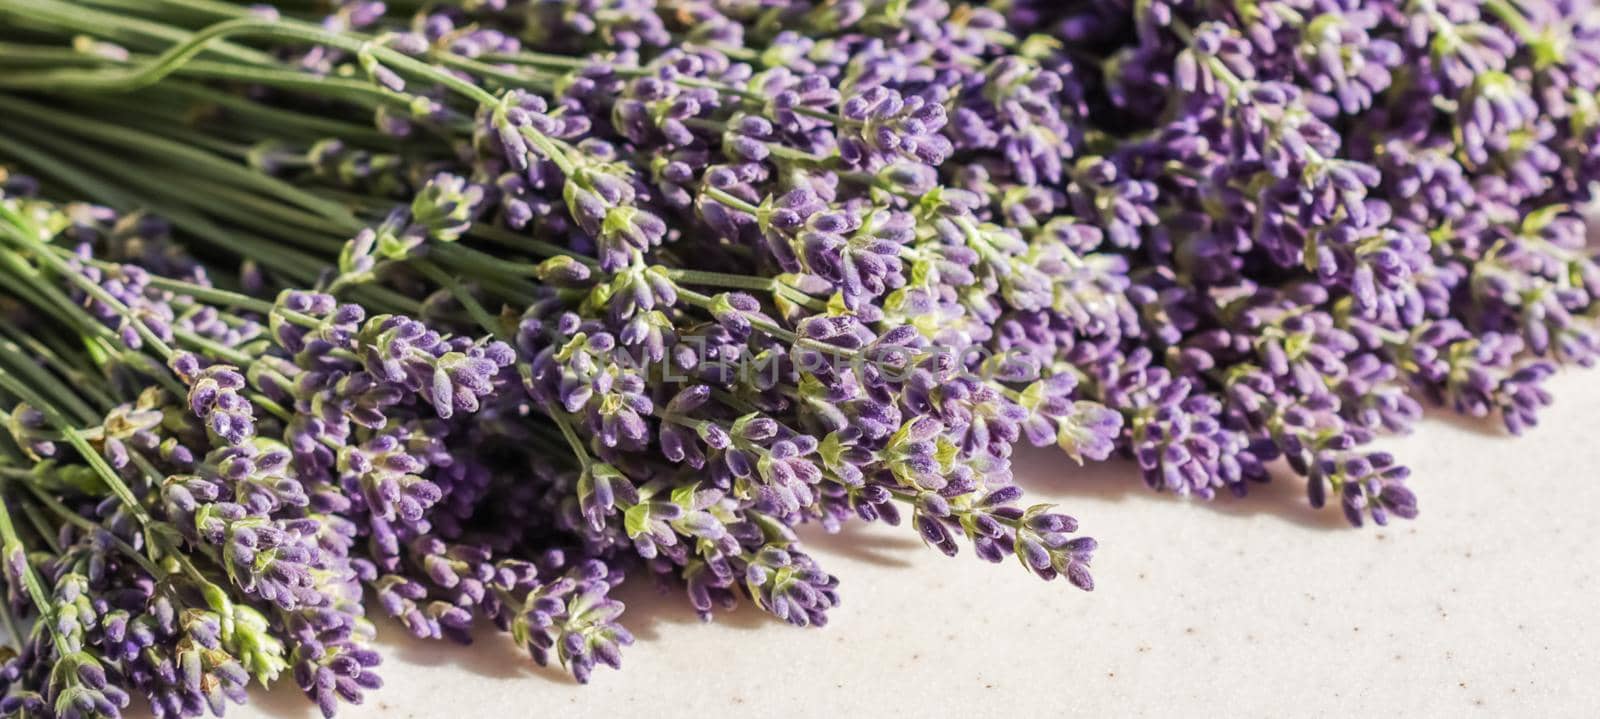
<point>1485,605</point>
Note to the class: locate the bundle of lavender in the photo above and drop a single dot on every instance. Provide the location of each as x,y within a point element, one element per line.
<point>496,300</point>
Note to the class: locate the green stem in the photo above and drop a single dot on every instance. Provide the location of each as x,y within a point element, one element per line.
<point>357,92</point>
<point>219,297</point>
<point>507,238</point>
<point>579,449</point>
<point>80,379</point>
<point>504,77</point>
<point>30,579</point>
<point>273,408</point>
<point>480,263</point>
<point>307,231</point>
<point>32,158</point>
<point>462,295</point>
<point>50,300</point>
<point>277,118</point>
<point>736,203</point>
<point>769,328</point>
<point>67,515</point>
<point>1513,18</point>
<point>8,621</point>
<point>40,378</point>
<point>283,30</point>
<point>52,304</point>
<point>27,54</point>
<point>292,31</point>
<point>42,528</point>
<point>89,287</point>
<point>118,25</point>
<point>213,349</point>
<point>121,26</point>
<point>719,279</point>
<point>485,64</point>
<point>302,269</point>
<point>196,160</point>
<point>160,114</point>
<point>75,438</point>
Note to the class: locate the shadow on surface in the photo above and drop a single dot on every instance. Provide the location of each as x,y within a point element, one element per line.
<point>876,550</point>
<point>1489,427</point>
<point>651,606</point>
<point>491,654</point>
<point>1046,473</point>
<point>284,700</point>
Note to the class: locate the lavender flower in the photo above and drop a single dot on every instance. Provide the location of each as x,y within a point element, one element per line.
<point>652,288</point>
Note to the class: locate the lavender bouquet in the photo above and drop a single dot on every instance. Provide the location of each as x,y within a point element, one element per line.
<point>458,313</point>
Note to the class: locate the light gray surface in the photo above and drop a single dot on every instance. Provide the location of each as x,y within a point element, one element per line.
<point>1262,607</point>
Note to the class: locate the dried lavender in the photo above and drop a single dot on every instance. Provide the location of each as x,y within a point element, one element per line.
<point>695,273</point>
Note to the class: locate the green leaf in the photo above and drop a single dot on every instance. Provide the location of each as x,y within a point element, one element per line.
<point>1032,396</point>
<point>831,450</point>
<point>1035,511</point>
<point>764,466</point>
<point>1068,439</point>
<point>84,480</point>
<point>636,520</point>
<point>946,452</point>
<point>685,496</point>
<point>618,221</point>
<point>1541,218</point>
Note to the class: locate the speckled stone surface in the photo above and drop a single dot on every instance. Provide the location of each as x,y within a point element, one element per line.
<point>1483,606</point>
